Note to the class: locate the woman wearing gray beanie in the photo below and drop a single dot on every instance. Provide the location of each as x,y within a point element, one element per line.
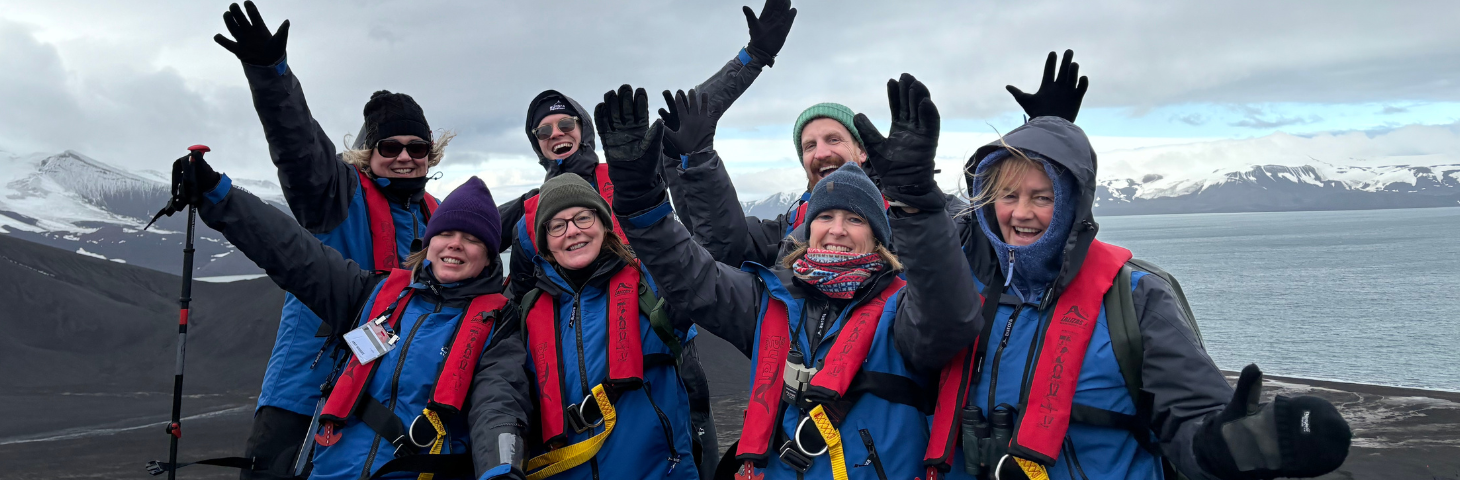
<point>608,397</point>
<point>432,379</point>
<point>843,349</point>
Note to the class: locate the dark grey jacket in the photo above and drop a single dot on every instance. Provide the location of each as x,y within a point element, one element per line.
<point>937,314</point>
<point>337,289</point>
<point>1186,386</point>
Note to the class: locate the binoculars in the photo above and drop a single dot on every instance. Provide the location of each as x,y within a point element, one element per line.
<point>986,440</point>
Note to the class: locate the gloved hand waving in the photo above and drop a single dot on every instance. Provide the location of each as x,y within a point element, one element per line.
<point>768,32</point>
<point>252,43</point>
<point>1289,437</point>
<point>1058,96</point>
<point>689,128</point>
<point>632,147</point>
<point>903,161</point>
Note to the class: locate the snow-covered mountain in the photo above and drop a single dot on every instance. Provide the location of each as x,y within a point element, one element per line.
<point>71,201</point>
<point>771,206</point>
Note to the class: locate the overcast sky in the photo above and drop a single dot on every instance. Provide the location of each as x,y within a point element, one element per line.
<point>134,83</point>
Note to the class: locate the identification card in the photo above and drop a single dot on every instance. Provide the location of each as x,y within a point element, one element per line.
<point>370,341</point>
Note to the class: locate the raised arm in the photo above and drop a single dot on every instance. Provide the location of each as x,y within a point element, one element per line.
<point>333,287</point>
<point>939,314</point>
<point>317,185</point>
<point>719,298</point>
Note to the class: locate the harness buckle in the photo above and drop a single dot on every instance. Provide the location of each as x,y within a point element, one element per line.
<point>578,415</point>
<point>421,430</point>
<point>815,439</point>
<point>793,458</point>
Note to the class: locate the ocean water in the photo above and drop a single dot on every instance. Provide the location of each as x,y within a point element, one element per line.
<point>1356,296</point>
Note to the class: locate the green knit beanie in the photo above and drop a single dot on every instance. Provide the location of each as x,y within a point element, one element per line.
<point>561,193</point>
<point>834,111</point>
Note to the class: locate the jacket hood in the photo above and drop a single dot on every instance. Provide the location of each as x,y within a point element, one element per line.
<point>581,162</point>
<point>1061,142</point>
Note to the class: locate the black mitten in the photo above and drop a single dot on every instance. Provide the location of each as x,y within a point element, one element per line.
<point>1289,437</point>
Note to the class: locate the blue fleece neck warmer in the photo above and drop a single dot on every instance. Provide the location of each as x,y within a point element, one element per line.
<point>1031,268</point>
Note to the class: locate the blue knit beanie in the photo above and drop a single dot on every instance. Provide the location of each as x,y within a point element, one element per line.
<point>1037,264</point>
<point>848,188</point>
<point>469,209</point>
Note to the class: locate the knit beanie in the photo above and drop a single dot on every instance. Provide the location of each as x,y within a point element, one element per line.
<point>390,114</point>
<point>469,209</point>
<point>551,106</point>
<point>1038,263</point>
<point>834,111</point>
<point>848,188</point>
<point>561,193</point>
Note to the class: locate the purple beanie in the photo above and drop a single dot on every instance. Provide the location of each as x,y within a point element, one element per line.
<point>469,209</point>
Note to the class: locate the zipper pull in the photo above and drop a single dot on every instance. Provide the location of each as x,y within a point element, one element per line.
<point>1009,277</point>
<point>673,462</point>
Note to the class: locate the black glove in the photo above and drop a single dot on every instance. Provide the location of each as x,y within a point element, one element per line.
<point>1290,437</point>
<point>689,128</point>
<point>903,160</point>
<point>1057,96</point>
<point>632,147</point>
<point>768,32</point>
<point>254,44</point>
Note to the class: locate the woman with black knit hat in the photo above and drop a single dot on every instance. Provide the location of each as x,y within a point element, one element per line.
<point>433,378</point>
<point>369,203</point>
<point>608,397</point>
<point>841,376</point>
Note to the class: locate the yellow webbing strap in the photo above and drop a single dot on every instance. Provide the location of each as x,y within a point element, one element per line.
<point>1033,470</point>
<point>440,438</point>
<point>562,459</point>
<point>833,440</point>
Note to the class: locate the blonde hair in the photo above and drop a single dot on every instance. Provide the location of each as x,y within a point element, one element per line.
<point>1004,177</point>
<point>414,259</point>
<point>360,158</point>
<point>881,251</point>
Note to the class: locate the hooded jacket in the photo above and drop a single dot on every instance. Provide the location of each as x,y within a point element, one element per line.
<point>937,308</point>
<point>1185,385</point>
<point>325,197</point>
<point>339,290</point>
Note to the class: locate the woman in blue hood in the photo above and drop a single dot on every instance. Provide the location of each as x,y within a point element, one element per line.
<point>1048,392</point>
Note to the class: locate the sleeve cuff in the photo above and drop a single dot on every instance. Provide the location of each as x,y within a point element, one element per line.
<point>744,56</point>
<point>217,193</point>
<point>497,471</point>
<point>651,216</point>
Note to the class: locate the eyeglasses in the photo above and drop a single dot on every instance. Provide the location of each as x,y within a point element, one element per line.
<point>566,124</point>
<point>418,149</point>
<point>584,220</point>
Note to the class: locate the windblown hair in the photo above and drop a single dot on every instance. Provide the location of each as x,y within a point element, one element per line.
<point>414,260</point>
<point>1004,177</point>
<point>360,158</point>
<point>801,247</point>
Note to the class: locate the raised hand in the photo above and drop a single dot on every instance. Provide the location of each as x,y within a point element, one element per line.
<point>1288,437</point>
<point>903,160</point>
<point>630,143</point>
<point>768,31</point>
<point>689,128</point>
<point>252,43</point>
<point>1058,96</point>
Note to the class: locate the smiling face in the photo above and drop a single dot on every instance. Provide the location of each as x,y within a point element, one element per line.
<point>826,145</point>
<point>457,256</point>
<point>841,231</point>
<point>1024,211</point>
<point>559,144</point>
<point>576,247</point>
<point>399,166</point>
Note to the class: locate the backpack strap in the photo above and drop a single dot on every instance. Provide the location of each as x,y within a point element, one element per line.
<point>653,307</point>
<point>1149,267</point>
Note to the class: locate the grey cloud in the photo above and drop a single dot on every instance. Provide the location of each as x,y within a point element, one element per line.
<point>1279,122</point>
<point>1193,119</point>
<point>1392,109</point>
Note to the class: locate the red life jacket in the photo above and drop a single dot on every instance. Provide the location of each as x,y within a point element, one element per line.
<point>800,216</point>
<point>455,377</point>
<point>840,366</point>
<point>382,224</point>
<point>605,189</point>
<point>625,349</point>
<point>1045,416</point>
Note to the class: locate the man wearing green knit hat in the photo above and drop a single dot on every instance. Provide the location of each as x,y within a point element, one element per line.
<point>826,139</point>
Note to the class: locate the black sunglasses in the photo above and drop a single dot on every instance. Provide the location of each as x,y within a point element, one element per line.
<point>566,124</point>
<point>418,149</point>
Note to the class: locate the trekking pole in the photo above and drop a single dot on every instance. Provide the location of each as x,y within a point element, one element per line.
<point>174,428</point>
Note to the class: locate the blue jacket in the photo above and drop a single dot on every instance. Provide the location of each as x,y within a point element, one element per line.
<point>653,436</point>
<point>325,197</point>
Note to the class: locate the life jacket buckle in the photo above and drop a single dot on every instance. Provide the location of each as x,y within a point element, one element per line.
<point>578,415</point>
<point>421,428</point>
<point>816,439</point>
<point>792,458</point>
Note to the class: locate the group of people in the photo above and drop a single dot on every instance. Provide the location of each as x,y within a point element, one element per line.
<point>894,331</point>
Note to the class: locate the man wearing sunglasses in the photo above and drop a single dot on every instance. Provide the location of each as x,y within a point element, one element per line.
<point>369,203</point>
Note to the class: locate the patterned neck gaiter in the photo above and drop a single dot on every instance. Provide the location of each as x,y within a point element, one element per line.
<point>837,274</point>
